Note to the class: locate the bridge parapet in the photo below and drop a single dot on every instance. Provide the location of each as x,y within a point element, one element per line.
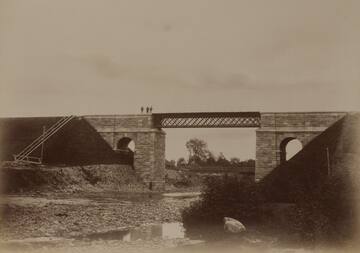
<point>301,120</point>
<point>107,123</point>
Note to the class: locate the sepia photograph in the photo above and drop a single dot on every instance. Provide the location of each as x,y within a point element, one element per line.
<point>181,126</point>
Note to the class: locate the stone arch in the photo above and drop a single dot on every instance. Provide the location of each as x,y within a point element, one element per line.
<point>123,140</point>
<point>283,147</point>
<point>125,144</point>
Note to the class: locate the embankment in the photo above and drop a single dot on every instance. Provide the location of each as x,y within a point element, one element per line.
<point>90,178</point>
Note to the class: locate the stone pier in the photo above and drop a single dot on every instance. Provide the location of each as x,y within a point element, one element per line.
<point>149,153</point>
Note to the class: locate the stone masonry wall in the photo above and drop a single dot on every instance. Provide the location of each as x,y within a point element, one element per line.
<point>276,127</point>
<point>149,155</point>
<point>159,167</point>
<point>112,123</point>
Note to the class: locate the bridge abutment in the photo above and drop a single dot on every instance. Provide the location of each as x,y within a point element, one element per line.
<point>149,142</point>
<point>278,128</point>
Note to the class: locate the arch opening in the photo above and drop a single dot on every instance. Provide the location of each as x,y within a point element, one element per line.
<point>126,144</point>
<point>288,148</point>
<point>126,148</point>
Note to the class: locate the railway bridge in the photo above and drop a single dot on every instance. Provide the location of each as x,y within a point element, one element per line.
<point>273,131</point>
<point>98,138</point>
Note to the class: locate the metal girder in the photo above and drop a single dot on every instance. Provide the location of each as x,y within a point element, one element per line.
<point>206,119</point>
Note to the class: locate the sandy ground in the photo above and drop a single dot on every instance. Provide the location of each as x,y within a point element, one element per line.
<point>65,223</point>
<point>47,223</point>
<point>69,216</point>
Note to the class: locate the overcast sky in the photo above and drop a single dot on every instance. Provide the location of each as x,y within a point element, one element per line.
<point>111,57</point>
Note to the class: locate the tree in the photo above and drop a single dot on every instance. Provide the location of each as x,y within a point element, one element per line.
<point>170,164</point>
<point>234,160</point>
<point>198,151</point>
<point>248,163</point>
<point>211,160</point>
<point>222,161</point>
<point>181,162</point>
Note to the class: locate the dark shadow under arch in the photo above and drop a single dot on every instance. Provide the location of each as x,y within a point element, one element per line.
<point>123,143</point>
<point>123,148</point>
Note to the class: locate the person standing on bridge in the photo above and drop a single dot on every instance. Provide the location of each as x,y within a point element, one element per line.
<point>142,109</point>
<point>150,109</point>
<point>147,109</point>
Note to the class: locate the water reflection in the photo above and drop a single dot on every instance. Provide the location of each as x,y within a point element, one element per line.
<point>172,230</point>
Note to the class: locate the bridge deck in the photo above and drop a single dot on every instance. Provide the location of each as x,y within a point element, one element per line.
<point>207,119</point>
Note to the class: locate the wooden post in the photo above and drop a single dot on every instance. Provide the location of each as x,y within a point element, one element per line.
<point>328,161</point>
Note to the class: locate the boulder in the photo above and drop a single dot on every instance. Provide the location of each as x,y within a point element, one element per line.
<point>233,226</point>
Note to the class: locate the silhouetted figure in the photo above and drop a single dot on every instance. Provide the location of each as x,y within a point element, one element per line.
<point>142,109</point>
<point>147,109</point>
<point>151,109</point>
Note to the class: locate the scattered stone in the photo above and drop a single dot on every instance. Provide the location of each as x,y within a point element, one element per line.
<point>61,214</point>
<point>233,226</point>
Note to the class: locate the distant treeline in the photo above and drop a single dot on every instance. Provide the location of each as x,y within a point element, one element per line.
<point>201,157</point>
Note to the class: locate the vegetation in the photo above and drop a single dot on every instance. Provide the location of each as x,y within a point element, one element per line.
<point>201,163</point>
<point>201,156</point>
<point>225,196</point>
<point>198,151</point>
<point>327,214</point>
<point>323,215</point>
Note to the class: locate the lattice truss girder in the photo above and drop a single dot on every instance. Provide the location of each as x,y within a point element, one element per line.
<point>207,120</point>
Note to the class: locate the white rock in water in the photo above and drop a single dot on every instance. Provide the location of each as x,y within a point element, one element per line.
<point>233,226</point>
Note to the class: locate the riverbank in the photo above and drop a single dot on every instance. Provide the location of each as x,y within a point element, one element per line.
<point>62,206</point>
<point>58,220</point>
<point>32,179</point>
<point>61,215</point>
<point>116,222</point>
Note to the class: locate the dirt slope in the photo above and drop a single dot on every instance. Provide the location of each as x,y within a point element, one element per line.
<point>89,178</point>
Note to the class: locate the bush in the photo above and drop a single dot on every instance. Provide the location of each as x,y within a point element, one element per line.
<point>327,214</point>
<point>226,196</point>
<point>322,215</point>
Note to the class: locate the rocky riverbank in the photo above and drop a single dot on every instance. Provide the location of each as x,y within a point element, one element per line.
<point>63,219</point>
<point>72,215</point>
